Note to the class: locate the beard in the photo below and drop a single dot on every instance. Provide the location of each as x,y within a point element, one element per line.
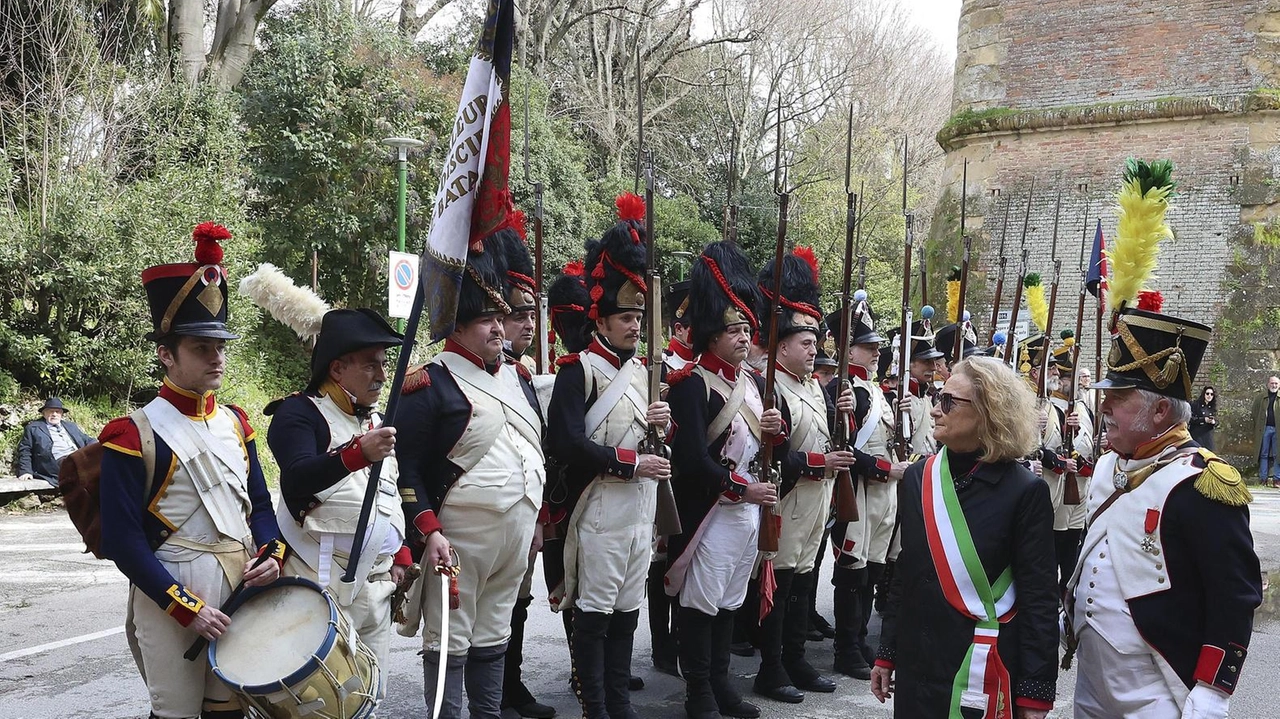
<point>1053,384</point>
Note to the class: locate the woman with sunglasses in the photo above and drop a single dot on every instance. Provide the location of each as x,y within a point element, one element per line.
<point>971,622</point>
<point>1204,418</point>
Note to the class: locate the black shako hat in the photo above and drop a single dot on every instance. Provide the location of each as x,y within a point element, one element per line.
<point>800,294</point>
<point>1156,352</point>
<point>345,331</point>
<point>676,303</point>
<point>522,289</point>
<point>615,264</point>
<point>722,292</point>
<point>569,302</point>
<point>190,298</point>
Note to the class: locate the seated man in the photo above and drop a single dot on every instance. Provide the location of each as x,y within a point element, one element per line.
<point>46,441</point>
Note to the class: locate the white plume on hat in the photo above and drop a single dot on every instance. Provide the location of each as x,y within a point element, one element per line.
<point>299,308</point>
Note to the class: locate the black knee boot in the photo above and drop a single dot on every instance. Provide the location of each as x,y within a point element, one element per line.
<point>589,630</point>
<point>514,693</point>
<point>746,630</point>
<point>875,577</point>
<point>694,634</point>
<point>794,634</point>
<point>664,645</point>
<point>772,680</point>
<point>727,697</point>
<point>849,623</point>
<point>617,664</point>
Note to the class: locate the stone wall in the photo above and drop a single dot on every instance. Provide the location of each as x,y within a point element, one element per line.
<point>1064,92</point>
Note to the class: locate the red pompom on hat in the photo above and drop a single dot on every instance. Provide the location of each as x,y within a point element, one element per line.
<point>520,223</point>
<point>630,207</point>
<point>207,236</point>
<point>806,254</point>
<point>1150,301</point>
<point>575,269</point>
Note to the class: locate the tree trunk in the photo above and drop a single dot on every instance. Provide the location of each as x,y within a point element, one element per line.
<point>186,38</point>
<point>227,65</point>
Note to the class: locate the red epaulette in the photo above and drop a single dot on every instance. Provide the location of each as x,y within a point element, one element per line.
<point>249,434</point>
<point>416,379</point>
<point>644,361</point>
<point>121,434</point>
<point>567,359</point>
<point>680,375</point>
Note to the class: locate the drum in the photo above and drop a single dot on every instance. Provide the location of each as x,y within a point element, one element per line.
<point>289,653</point>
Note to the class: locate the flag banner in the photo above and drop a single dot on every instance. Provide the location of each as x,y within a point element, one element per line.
<point>473,199</point>
<point>1096,280</point>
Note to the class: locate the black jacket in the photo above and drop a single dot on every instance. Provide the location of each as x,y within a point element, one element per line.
<point>1008,513</point>
<point>1201,430</point>
<point>35,450</point>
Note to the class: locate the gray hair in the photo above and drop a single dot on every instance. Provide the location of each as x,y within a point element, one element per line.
<point>1179,409</point>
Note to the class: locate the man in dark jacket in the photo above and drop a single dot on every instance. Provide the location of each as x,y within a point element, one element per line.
<point>46,441</point>
<point>1264,432</point>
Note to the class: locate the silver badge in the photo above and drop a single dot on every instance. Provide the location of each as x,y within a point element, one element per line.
<point>1121,480</point>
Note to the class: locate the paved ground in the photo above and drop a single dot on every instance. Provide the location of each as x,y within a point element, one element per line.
<point>63,654</point>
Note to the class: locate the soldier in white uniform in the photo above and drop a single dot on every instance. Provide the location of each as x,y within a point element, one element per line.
<point>184,536</point>
<point>862,547</point>
<point>1163,597</point>
<point>325,440</point>
<point>1073,417</point>
<point>471,478</point>
<point>718,412</point>
<point>808,476</point>
<point>601,412</point>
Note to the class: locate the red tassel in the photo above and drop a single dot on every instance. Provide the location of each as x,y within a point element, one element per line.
<point>806,254</point>
<point>207,235</point>
<point>596,293</point>
<point>630,207</point>
<point>598,271</point>
<point>575,268</point>
<point>1150,301</point>
<point>520,223</point>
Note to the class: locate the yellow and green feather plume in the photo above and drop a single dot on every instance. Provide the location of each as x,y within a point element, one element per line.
<point>1140,209</point>
<point>953,294</point>
<point>1036,302</point>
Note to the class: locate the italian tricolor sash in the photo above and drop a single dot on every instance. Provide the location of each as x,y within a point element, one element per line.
<point>983,681</point>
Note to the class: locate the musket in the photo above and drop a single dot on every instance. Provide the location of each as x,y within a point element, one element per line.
<point>1043,389</point>
<point>666,518</point>
<point>966,241</point>
<point>639,121</point>
<point>995,304</point>
<point>769,528</point>
<point>1022,275</point>
<point>924,276</point>
<point>1097,362</point>
<point>902,428</point>
<point>1071,490</point>
<point>846,498</point>
<point>540,315</point>
<point>729,232</point>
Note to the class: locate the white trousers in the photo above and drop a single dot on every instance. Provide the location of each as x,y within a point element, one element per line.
<point>611,544</point>
<point>1111,685</point>
<point>881,516</point>
<point>804,517</point>
<point>493,557</point>
<point>723,560</point>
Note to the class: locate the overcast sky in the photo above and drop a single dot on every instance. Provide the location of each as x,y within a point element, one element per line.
<point>939,17</point>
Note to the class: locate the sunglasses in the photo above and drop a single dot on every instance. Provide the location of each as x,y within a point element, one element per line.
<point>947,402</point>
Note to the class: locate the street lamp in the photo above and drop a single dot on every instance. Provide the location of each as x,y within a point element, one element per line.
<point>402,146</point>
<point>686,259</point>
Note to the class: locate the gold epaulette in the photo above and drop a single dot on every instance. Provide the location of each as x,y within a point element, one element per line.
<point>416,379</point>
<point>1221,482</point>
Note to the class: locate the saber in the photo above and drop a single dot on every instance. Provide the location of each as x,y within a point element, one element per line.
<point>448,577</point>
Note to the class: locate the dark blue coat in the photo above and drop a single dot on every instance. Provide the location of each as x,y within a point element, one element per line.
<point>35,450</point>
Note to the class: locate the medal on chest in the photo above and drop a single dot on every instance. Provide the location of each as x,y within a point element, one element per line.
<point>1149,526</point>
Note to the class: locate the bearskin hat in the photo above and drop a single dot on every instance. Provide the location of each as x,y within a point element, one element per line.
<point>484,281</point>
<point>722,292</point>
<point>522,288</point>
<point>615,263</point>
<point>800,293</point>
<point>569,302</point>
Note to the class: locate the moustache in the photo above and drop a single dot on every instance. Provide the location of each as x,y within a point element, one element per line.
<point>376,387</point>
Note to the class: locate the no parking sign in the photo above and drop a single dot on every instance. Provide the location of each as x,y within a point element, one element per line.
<point>402,283</point>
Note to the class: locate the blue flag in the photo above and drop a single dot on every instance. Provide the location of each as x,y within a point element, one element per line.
<point>1096,280</point>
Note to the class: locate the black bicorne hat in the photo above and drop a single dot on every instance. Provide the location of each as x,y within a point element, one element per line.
<point>615,264</point>
<point>345,331</point>
<point>1031,351</point>
<point>800,293</point>
<point>676,303</point>
<point>484,282</point>
<point>522,289</point>
<point>569,302</point>
<point>945,341</point>
<point>1156,352</point>
<point>922,337</point>
<point>190,298</point>
<point>722,292</point>
<point>1061,357</point>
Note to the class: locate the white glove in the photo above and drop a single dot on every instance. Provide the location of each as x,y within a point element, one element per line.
<point>1206,702</point>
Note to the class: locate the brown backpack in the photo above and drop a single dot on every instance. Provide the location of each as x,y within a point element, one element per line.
<point>78,481</point>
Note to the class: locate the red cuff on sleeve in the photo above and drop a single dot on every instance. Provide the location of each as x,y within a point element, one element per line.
<point>403,557</point>
<point>1209,667</point>
<point>780,438</point>
<point>1085,469</point>
<point>544,514</point>
<point>1033,703</point>
<point>885,664</point>
<point>352,457</point>
<point>737,487</point>
<point>883,465</point>
<point>185,605</point>
<point>427,523</point>
<point>815,464</point>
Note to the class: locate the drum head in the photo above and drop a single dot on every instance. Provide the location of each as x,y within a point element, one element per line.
<point>274,634</point>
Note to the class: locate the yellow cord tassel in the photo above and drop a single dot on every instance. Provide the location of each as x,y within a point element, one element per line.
<point>1038,305</point>
<point>1141,228</point>
<point>953,300</point>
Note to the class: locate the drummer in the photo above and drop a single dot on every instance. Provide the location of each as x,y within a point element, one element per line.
<point>184,535</point>
<point>325,440</point>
